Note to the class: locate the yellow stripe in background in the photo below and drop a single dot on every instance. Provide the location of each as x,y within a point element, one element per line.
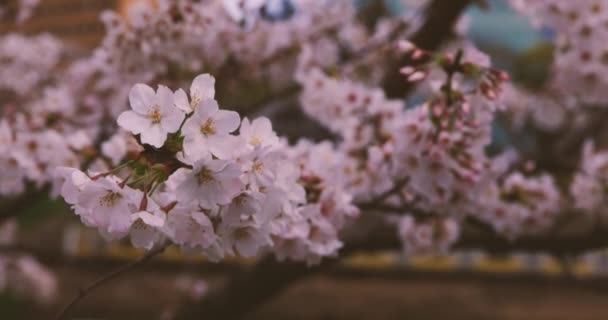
<point>433,262</point>
<point>88,243</point>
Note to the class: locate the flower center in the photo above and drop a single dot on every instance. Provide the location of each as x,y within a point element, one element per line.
<point>109,199</point>
<point>255,141</point>
<point>257,166</point>
<point>208,128</point>
<point>239,201</point>
<point>205,176</point>
<point>154,115</point>
<point>139,225</point>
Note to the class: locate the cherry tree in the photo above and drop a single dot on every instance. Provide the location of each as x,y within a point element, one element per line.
<point>166,135</point>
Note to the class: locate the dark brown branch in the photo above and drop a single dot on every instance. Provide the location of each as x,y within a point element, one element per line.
<point>441,17</point>
<point>86,290</point>
<point>482,237</point>
<point>248,289</point>
<point>479,236</point>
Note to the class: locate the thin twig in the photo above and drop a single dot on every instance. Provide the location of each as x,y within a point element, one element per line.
<point>441,17</point>
<point>86,290</point>
<point>399,184</point>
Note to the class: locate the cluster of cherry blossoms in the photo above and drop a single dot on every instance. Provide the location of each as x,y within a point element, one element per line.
<point>45,121</point>
<point>208,37</point>
<point>54,125</point>
<point>424,159</point>
<point>517,205</point>
<point>580,59</point>
<point>31,156</point>
<point>548,109</point>
<point>202,185</point>
<point>423,237</point>
<point>588,188</point>
<point>29,59</point>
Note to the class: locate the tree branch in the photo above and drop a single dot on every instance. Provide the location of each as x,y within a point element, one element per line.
<point>86,290</point>
<point>479,236</point>
<point>249,288</point>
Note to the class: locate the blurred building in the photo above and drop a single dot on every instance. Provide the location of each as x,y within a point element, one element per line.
<point>76,21</point>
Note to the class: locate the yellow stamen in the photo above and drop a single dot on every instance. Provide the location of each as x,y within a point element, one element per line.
<point>208,127</point>
<point>109,199</point>
<point>154,115</point>
<point>205,176</point>
<point>257,166</point>
<point>255,141</point>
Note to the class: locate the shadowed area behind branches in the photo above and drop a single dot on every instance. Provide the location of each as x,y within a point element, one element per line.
<point>353,296</point>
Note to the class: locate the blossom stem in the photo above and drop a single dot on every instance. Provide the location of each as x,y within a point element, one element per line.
<point>451,70</point>
<point>83,292</point>
<point>101,175</point>
<point>124,182</point>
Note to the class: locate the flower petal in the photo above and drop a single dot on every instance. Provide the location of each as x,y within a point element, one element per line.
<point>141,98</point>
<point>203,87</point>
<point>164,97</point>
<point>172,119</point>
<point>133,122</point>
<point>150,219</point>
<point>205,109</point>
<point>180,99</point>
<point>226,121</point>
<point>154,136</point>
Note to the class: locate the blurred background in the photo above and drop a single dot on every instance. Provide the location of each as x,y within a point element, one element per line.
<point>386,285</point>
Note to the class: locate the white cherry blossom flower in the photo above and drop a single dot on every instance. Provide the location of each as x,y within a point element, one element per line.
<point>146,227</point>
<point>210,182</point>
<point>207,129</point>
<point>115,148</point>
<point>187,226</point>
<point>202,89</point>
<point>258,133</point>
<point>69,182</point>
<point>153,116</point>
<point>244,207</point>
<point>108,207</point>
<point>247,239</point>
<point>260,166</point>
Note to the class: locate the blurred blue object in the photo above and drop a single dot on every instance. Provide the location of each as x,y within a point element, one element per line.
<point>500,26</point>
<point>275,10</point>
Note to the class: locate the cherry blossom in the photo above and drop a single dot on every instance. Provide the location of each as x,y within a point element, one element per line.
<point>146,226</point>
<point>210,182</point>
<point>206,130</point>
<point>258,133</point>
<point>154,114</point>
<point>202,89</point>
<point>104,204</point>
